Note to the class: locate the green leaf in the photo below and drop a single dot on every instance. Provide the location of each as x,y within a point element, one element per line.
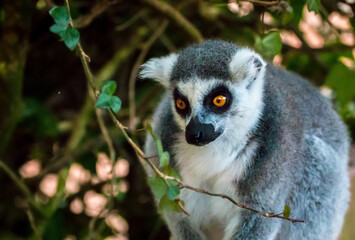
<point>115,104</point>
<point>108,87</point>
<point>104,101</point>
<point>71,37</point>
<point>313,5</point>
<point>159,147</point>
<point>158,186</point>
<point>270,45</point>
<point>173,192</point>
<point>287,17</point>
<point>287,211</point>
<point>342,80</point>
<point>149,129</point>
<point>166,204</point>
<point>164,159</point>
<point>58,29</point>
<point>60,15</point>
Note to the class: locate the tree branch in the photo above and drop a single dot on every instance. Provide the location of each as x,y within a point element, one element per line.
<point>99,7</point>
<point>21,185</point>
<point>177,17</point>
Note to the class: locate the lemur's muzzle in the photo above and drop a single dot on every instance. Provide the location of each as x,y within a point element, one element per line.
<point>200,134</point>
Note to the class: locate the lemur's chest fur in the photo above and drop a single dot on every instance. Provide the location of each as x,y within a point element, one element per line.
<point>215,168</point>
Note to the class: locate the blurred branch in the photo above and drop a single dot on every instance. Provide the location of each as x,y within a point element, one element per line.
<point>106,135</point>
<point>132,79</point>
<point>163,38</point>
<point>81,122</point>
<point>21,185</point>
<point>132,20</point>
<point>99,7</point>
<point>264,3</point>
<point>33,224</point>
<point>177,17</point>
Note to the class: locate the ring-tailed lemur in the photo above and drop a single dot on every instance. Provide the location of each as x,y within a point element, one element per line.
<point>237,125</point>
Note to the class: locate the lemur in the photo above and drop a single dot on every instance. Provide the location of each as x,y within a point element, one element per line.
<point>237,125</point>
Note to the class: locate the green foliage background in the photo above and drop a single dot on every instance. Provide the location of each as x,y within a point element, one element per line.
<point>46,112</point>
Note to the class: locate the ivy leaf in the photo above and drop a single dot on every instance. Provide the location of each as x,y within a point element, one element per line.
<point>71,37</point>
<point>109,87</point>
<point>270,45</point>
<point>173,192</point>
<point>60,30</point>
<point>104,101</point>
<point>342,80</point>
<point>164,159</point>
<point>287,211</point>
<point>158,186</point>
<point>166,204</point>
<point>115,104</point>
<point>60,15</point>
<point>313,5</point>
<point>149,129</point>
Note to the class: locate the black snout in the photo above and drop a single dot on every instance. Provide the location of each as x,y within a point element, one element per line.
<point>199,134</point>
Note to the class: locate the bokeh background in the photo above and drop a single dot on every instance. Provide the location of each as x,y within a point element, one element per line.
<point>56,175</point>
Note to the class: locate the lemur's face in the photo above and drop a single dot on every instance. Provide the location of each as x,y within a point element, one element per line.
<point>202,108</point>
<point>216,90</point>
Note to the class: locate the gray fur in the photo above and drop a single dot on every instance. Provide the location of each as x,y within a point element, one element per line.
<point>301,159</point>
<point>204,60</point>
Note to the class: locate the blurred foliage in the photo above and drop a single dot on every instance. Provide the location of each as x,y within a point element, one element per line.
<point>57,148</point>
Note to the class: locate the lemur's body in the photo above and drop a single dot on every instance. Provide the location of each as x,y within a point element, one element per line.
<point>278,142</point>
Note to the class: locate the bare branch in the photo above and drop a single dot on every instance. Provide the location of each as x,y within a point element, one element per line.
<point>21,185</point>
<point>260,2</point>
<point>33,224</point>
<point>99,7</point>
<point>177,17</point>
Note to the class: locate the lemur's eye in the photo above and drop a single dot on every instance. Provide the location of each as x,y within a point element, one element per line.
<point>219,101</point>
<point>180,104</point>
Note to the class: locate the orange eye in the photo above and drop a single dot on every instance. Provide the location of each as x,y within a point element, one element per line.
<point>219,101</point>
<point>180,104</point>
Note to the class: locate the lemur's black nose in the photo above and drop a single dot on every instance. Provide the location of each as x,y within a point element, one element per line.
<point>199,134</point>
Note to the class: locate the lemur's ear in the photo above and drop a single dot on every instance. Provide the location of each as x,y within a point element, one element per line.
<point>159,69</point>
<point>246,65</point>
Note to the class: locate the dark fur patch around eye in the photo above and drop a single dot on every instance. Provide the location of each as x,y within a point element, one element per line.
<point>187,110</point>
<point>219,90</point>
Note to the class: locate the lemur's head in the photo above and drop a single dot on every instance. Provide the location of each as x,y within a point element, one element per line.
<point>216,89</point>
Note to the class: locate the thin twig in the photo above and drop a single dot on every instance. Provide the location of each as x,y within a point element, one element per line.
<point>267,215</point>
<point>21,185</point>
<point>33,224</point>
<point>177,17</point>
<point>99,7</point>
<point>132,20</point>
<point>259,2</point>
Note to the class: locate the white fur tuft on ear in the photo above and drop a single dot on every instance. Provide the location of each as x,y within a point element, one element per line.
<point>246,65</point>
<point>159,69</point>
